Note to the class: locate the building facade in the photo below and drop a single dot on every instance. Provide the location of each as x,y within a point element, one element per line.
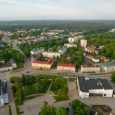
<point>66,67</point>
<point>83,43</point>
<point>41,64</point>
<point>60,52</point>
<point>37,51</point>
<point>90,68</point>
<point>105,59</point>
<point>70,45</point>
<point>90,57</point>
<point>51,54</point>
<point>91,49</point>
<point>74,39</point>
<point>108,67</point>
<point>9,66</point>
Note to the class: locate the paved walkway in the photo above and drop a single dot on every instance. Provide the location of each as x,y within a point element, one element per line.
<point>49,87</point>
<point>33,106</point>
<point>72,90</point>
<point>11,99</point>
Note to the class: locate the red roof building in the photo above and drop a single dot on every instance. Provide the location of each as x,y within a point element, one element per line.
<point>66,67</point>
<point>36,64</point>
<point>105,59</point>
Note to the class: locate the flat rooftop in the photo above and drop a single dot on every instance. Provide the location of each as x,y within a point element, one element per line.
<point>87,84</point>
<point>3,87</point>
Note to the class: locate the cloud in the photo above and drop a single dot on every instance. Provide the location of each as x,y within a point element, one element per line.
<point>56,9</point>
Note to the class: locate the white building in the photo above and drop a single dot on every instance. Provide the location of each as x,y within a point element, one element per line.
<point>108,67</point>
<point>83,43</point>
<point>70,45</point>
<point>37,51</point>
<point>112,30</point>
<point>4,99</point>
<point>90,68</point>
<point>74,39</point>
<point>92,58</point>
<point>9,66</point>
<point>62,50</point>
<point>94,87</point>
<point>13,64</point>
<point>50,54</point>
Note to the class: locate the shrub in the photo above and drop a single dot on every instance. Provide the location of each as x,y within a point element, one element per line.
<point>113,77</point>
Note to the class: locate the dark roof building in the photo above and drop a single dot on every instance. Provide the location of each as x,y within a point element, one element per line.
<point>88,86</point>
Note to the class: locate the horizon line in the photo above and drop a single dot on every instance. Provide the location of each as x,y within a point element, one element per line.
<point>58,20</point>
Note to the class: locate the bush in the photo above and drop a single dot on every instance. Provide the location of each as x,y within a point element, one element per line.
<point>79,108</point>
<point>15,79</point>
<point>10,110</point>
<point>61,111</point>
<point>113,77</point>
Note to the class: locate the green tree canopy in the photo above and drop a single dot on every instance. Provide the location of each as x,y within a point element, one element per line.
<point>61,111</point>
<point>47,110</point>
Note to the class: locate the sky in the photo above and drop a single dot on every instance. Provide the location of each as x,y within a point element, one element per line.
<point>57,9</point>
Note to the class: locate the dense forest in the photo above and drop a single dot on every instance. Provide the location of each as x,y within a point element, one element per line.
<point>89,26</point>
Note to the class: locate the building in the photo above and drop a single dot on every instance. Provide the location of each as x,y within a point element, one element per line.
<point>41,64</point>
<point>74,39</point>
<point>51,54</point>
<point>112,30</point>
<point>108,67</point>
<point>8,66</point>
<point>66,67</point>
<point>37,51</point>
<point>94,87</point>
<point>62,50</point>
<point>90,68</point>
<point>105,59</point>
<point>91,49</point>
<point>4,99</point>
<point>83,43</point>
<point>70,45</point>
<point>90,57</point>
<point>12,63</point>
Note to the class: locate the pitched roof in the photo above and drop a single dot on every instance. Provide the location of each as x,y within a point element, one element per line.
<point>66,65</point>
